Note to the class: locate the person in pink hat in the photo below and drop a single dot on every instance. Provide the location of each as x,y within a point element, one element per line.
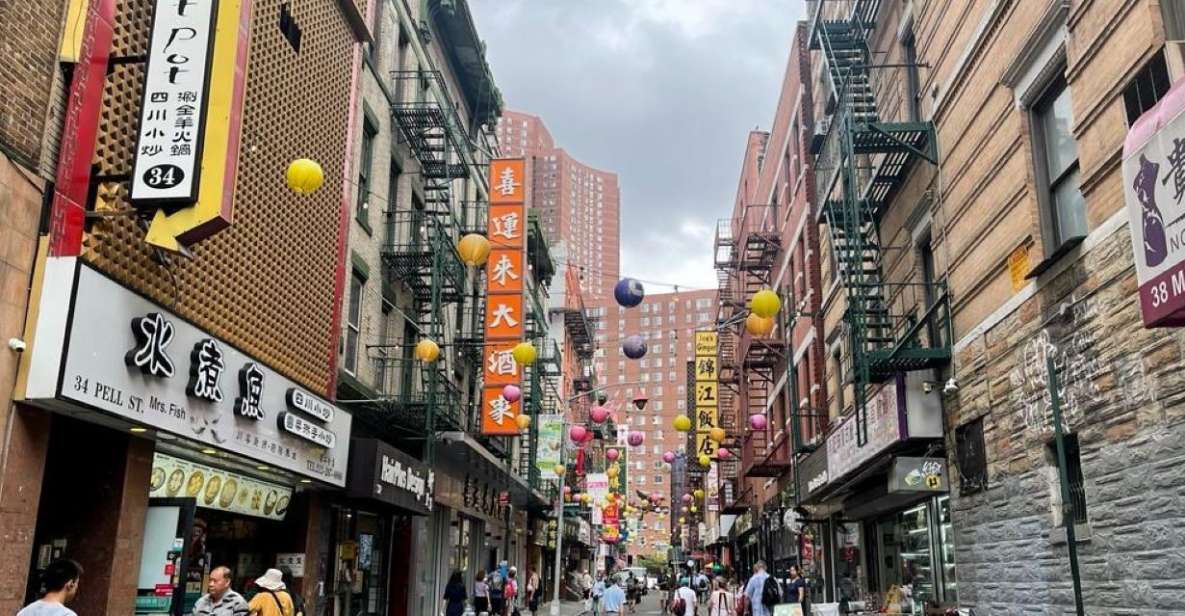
<point>273,598</point>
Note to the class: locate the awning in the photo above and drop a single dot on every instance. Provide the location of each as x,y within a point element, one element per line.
<point>463,453</point>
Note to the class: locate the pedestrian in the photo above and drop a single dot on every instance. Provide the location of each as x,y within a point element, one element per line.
<point>60,580</point>
<point>757,596</point>
<point>613,602</point>
<point>220,599</point>
<point>289,582</point>
<point>701,586</point>
<point>796,588</point>
<point>481,595</point>
<point>533,591</point>
<point>454,595</point>
<point>510,592</point>
<point>496,584</point>
<point>722,602</point>
<point>273,600</point>
<point>597,591</point>
<point>687,596</point>
<point>587,580</point>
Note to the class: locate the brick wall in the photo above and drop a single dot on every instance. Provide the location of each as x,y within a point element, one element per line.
<point>29,34</point>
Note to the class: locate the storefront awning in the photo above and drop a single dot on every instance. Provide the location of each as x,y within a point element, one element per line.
<point>466,454</point>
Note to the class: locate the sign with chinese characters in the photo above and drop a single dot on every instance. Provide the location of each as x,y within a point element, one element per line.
<point>178,379</point>
<point>215,488</point>
<point>1154,189</point>
<point>292,561</point>
<point>918,475</point>
<point>550,436</point>
<point>885,428</point>
<point>386,474</point>
<point>707,402</point>
<point>505,275</point>
<point>166,164</point>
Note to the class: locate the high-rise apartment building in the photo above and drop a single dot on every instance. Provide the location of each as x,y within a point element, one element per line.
<point>578,204</point>
<point>667,321</point>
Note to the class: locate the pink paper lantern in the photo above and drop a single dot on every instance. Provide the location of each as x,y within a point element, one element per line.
<point>588,436</point>
<point>612,455</point>
<point>512,393</point>
<point>579,433</point>
<point>758,422</point>
<point>567,489</point>
<point>598,414</point>
<point>723,453</point>
<point>635,438</point>
<point>687,498</point>
<point>668,457</point>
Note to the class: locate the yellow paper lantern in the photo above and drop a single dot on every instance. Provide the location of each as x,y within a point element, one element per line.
<point>682,520</point>
<point>694,509</point>
<point>682,423</point>
<point>699,493</point>
<point>585,498</point>
<point>716,434</point>
<point>705,460</point>
<point>613,472</point>
<point>523,421</point>
<point>304,176</point>
<point>765,303</point>
<point>427,351</point>
<point>474,249</point>
<point>759,326</point>
<point>523,353</point>
<point>560,470</point>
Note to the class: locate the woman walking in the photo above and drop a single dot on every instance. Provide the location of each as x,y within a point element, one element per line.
<point>454,595</point>
<point>796,588</point>
<point>722,602</point>
<point>533,591</point>
<point>481,594</point>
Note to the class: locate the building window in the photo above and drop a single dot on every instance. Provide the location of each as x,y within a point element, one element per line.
<point>912,82</point>
<point>1056,154</point>
<point>354,322</point>
<point>381,382</point>
<point>658,479</point>
<point>1147,88</point>
<point>369,131</point>
<point>971,457</point>
<point>392,203</point>
<point>1077,506</point>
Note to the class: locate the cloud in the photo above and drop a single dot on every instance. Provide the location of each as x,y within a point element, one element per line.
<point>663,92</point>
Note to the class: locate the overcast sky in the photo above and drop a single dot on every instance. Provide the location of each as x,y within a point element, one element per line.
<point>663,92</point>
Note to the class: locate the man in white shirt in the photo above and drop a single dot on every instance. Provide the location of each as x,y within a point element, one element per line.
<point>688,596</point>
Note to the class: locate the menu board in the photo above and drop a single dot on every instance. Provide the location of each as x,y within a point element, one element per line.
<point>216,488</point>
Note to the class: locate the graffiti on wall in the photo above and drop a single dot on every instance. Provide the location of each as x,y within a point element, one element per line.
<point>1072,341</point>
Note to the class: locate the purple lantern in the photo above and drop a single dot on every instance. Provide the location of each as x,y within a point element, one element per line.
<point>687,498</point>
<point>758,422</point>
<point>612,454</point>
<point>668,457</point>
<point>634,347</point>
<point>635,438</point>
<point>577,434</point>
<point>512,393</point>
<point>629,292</point>
<point>598,414</point>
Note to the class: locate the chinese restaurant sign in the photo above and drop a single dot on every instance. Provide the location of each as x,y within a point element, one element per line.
<point>707,410</point>
<point>504,295</point>
<point>1154,189</point>
<point>885,427</point>
<point>136,360</point>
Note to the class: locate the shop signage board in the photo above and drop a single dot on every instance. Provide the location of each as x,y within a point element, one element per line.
<point>814,471</point>
<point>216,488</point>
<point>918,475</point>
<point>707,394</point>
<point>549,437</point>
<point>293,561</point>
<point>885,427</point>
<point>138,361</point>
<point>505,277</point>
<point>384,473</point>
<point>1154,191</point>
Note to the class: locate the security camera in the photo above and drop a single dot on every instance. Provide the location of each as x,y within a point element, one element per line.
<point>951,387</point>
<point>17,345</point>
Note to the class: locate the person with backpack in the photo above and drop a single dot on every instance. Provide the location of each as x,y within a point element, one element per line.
<point>496,584</point>
<point>510,593</point>
<point>762,592</point>
<point>721,603</point>
<point>274,598</point>
<point>684,602</point>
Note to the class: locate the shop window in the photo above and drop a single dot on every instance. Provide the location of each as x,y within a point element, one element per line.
<point>1063,210</point>
<point>1146,88</point>
<point>1077,505</point>
<point>971,457</point>
<point>353,322</point>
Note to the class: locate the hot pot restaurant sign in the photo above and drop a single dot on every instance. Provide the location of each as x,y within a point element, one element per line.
<point>1154,190</point>
<point>129,357</point>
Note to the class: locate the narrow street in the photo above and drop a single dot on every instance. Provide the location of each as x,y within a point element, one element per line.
<point>651,606</point>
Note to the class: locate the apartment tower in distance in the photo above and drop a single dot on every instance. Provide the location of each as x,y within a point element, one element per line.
<point>579,206</point>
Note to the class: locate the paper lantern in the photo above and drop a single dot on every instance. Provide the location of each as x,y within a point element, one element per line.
<point>613,472</point>
<point>634,347</point>
<point>759,326</point>
<point>523,353</point>
<point>669,456</point>
<point>559,470</point>
<point>694,509</point>
<point>512,393</point>
<point>586,498</point>
<point>577,433</point>
<point>716,434</point>
<point>723,453</point>
<point>683,509</point>
<point>698,493</point>
<point>567,489</point>
<point>304,176</point>
<point>682,423</point>
<point>682,520</point>
<point>523,422</point>
<point>598,414</point>
<point>629,292</point>
<point>427,351</point>
<point>687,498</point>
<point>765,303</point>
<point>705,460</point>
<point>474,249</point>
<point>635,438</point>
<point>612,454</point>
<point>758,422</point>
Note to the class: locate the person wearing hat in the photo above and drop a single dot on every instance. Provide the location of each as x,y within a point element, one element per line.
<point>273,598</point>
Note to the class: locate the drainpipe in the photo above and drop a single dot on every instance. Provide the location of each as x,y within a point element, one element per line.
<point>1064,481</point>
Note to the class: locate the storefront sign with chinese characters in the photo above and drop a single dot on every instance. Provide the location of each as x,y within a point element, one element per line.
<point>178,379</point>
<point>1154,189</point>
<point>884,426</point>
<point>301,400</point>
<point>292,561</point>
<point>505,275</point>
<point>707,411</point>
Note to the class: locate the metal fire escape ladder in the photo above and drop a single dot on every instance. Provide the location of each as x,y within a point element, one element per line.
<point>861,163</point>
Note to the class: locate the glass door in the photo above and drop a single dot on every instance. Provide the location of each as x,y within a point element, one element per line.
<point>945,546</point>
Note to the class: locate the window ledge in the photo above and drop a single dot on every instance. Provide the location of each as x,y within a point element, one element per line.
<point>1066,248</point>
<point>1082,534</point>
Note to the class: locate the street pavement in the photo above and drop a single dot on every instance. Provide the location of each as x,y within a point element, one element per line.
<point>651,606</point>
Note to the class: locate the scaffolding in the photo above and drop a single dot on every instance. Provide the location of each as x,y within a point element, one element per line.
<point>861,162</point>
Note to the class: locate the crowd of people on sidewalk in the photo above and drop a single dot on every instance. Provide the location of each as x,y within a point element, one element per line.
<point>724,595</point>
<point>496,593</point>
<point>616,593</point>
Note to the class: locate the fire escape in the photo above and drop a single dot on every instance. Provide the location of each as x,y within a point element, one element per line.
<point>733,497</point>
<point>861,162</point>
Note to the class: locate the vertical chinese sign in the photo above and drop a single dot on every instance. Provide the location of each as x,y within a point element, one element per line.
<point>504,295</point>
<point>707,409</point>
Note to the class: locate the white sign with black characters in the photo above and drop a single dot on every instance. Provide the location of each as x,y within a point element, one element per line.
<point>192,402</point>
<point>301,400</point>
<point>173,109</point>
